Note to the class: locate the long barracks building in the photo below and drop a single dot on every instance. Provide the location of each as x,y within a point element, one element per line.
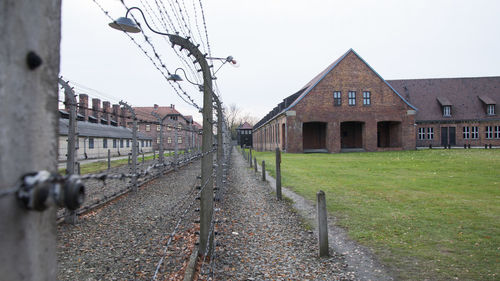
<point>350,107</point>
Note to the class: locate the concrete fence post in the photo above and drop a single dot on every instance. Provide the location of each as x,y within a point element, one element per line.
<point>78,168</point>
<point>29,65</point>
<point>278,174</point>
<point>263,170</point>
<point>250,157</point>
<point>322,224</point>
<point>109,159</point>
<point>128,162</point>
<point>255,163</point>
<point>134,144</point>
<point>143,157</point>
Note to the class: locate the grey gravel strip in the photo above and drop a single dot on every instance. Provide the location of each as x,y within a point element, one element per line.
<point>264,239</point>
<point>360,260</point>
<point>125,239</point>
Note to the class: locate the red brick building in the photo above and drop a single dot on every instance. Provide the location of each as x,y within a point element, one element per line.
<point>346,107</point>
<point>454,111</point>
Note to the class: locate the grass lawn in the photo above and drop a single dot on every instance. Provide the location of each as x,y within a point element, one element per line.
<point>429,214</point>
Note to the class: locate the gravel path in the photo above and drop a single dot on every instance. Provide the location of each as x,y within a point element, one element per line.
<point>124,240</point>
<point>261,238</point>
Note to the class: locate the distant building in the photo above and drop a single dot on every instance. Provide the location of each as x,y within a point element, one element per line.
<point>176,127</point>
<point>346,107</point>
<point>244,135</point>
<point>454,111</point>
<point>350,107</point>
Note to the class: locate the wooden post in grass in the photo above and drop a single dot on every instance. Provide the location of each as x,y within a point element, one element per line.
<point>250,157</point>
<point>322,224</point>
<point>255,163</point>
<point>263,170</point>
<point>109,159</point>
<point>278,173</point>
<point>78,168</point>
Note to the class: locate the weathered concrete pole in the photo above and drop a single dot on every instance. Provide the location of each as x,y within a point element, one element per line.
<point>255,163</point>
<point>278,174</point>
<point>29,68</point>
<point>322,224</point>
<point>109,159</point>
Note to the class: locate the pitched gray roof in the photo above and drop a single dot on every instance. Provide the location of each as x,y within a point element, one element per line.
<point>465,95</point>
<point>87,129</point>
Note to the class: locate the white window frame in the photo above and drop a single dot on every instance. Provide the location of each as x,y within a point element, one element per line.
<point>474,132</point>
<point>352,98</point>
<point>157,139</point>
<point>158,127</point>
<point>169,140</point>
<point>466,133</point>
<point>148,128</point>
<point>421,133</point>
<point>446,111</point>
<point>179,139</point>
<point>430,133</point>
<point>489,132</point>
<point>337,98</point>
<point>490,109</point>
<point>367,98</point>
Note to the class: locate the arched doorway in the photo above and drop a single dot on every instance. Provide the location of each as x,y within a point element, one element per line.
<point>389,134</point>
<point>314,137</point>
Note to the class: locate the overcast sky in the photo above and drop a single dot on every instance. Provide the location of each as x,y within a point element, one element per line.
<point>281,45</point>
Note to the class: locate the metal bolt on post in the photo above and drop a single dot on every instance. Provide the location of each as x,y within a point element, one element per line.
<point>322,224</point>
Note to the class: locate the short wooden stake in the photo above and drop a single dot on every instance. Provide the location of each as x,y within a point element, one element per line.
<point>278,174</point>
<point>322,224</point>
<point>263,170</point>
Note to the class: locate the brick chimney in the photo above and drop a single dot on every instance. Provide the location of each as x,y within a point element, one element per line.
<point>96,109</point>
<point>105,108</point>
<point>116,112</point>
<point>156,106</point>
<point>172,106</point>
<point>83,105</point>
<point>123,119</point>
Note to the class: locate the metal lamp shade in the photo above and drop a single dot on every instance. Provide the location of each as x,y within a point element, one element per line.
<point>125,24</point>
<point>174,77</point>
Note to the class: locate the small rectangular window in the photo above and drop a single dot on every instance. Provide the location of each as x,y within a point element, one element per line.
<point>352,98</point>
<point>104,143</point>
<point>128,143</point>
<point>148,128</point>
<point>91,143</point>
<point>421,133</point>
<point>446,111</point>
<point>497,132</point>
<point>157,139</point>
<point>179,139</point>
<point>142,143</point>
<point>466,133</point>
<point>114,143</point>
<point>430,133</point>
<point>489,132</point>
<point>158,128</point>
<point>337,98</point>
<point>475,132</point>
<point>366,98</point>
<point>169,140</point>
<point>121,143</point>
<point>490,109</point>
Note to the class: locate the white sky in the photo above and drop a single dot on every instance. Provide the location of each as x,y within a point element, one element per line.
<point>282,44</point>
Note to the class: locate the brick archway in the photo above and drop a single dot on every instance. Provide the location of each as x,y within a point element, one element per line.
<point>351,134</point>
<point>314,136</point>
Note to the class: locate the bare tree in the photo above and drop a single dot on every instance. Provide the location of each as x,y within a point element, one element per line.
<point>235,117</point>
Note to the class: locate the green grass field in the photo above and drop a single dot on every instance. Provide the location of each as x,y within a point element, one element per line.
<point>430,214</point>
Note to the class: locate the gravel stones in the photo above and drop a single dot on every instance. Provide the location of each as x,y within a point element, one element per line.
<point>124,240</point>
<point>261,238</point>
